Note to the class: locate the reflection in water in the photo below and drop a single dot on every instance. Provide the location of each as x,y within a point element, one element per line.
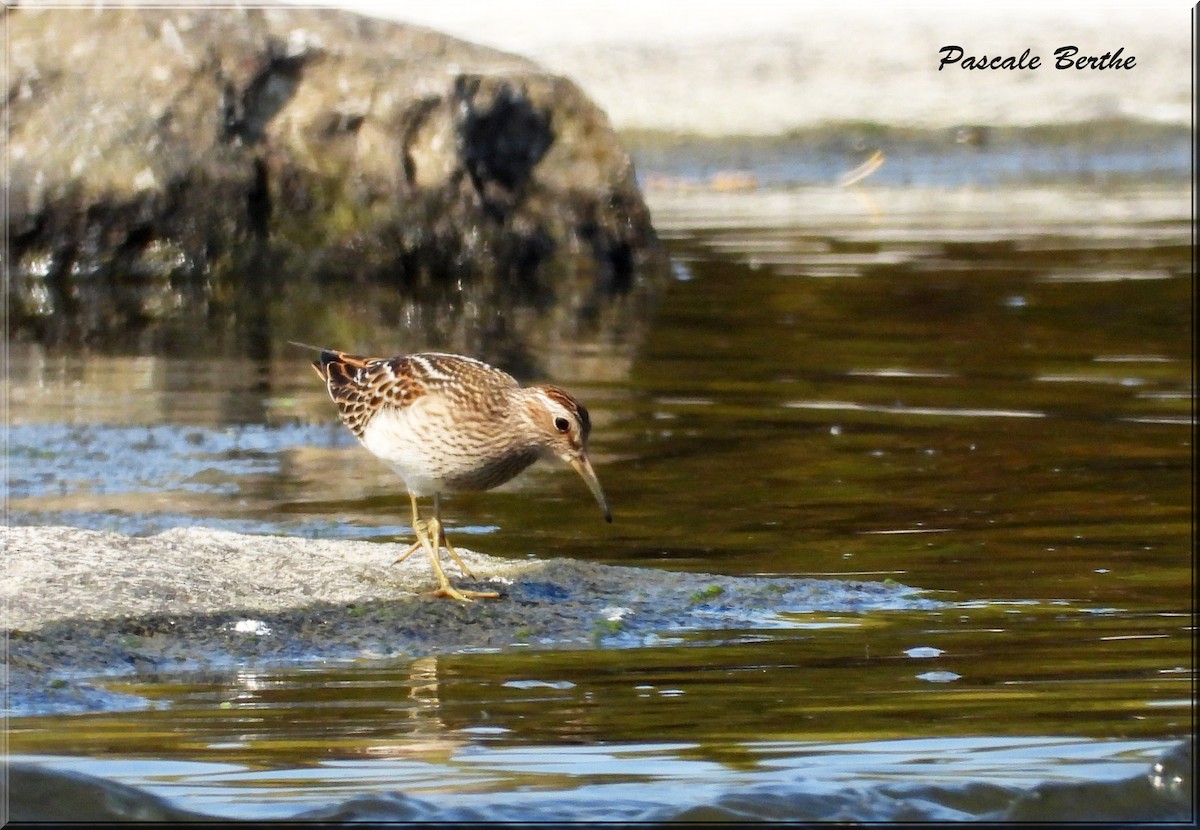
<point>423,732</point>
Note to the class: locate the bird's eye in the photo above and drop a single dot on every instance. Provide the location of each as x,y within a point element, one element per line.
<point>562,424</point>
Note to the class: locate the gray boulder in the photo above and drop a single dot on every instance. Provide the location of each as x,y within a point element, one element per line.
<point>270,173</point>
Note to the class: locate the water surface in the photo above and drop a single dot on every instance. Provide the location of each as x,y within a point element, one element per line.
<point>985,394</point>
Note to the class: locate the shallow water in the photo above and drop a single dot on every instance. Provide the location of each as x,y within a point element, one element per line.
<point>985,394</point>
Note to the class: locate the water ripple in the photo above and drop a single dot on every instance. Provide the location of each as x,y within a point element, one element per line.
<point>849,406</point>
<point>52,459</point>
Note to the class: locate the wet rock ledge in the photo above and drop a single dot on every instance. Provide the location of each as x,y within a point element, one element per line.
<point>181,165</point>
<point>80,602</point>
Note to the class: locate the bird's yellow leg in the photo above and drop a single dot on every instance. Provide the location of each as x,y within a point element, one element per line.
<point>425,539</point>
<point>429,533</point>
<point>438,533</point>
<point>419,530</point>
<point>467,572</point>
<point>435,525</point>
<point>411,548</point>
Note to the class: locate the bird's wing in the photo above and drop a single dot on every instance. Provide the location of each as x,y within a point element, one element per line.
<point>363,386</point>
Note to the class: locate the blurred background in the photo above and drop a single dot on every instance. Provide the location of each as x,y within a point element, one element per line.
<point>775,67</point>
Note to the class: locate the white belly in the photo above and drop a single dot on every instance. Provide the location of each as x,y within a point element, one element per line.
<point>410,441</point>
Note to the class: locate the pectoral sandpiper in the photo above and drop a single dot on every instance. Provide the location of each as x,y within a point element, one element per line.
<point>447,423</point>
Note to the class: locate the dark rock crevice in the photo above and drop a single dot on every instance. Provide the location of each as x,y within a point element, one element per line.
<point>501,138</point>
<point>248,111</point>
<point>258,200</point>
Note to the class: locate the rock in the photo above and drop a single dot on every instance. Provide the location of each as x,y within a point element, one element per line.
<point>82,602</point>
<point>40,794</point>
<point>274,172</point>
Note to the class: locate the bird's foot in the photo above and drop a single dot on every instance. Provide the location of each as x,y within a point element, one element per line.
<point>463,595</point>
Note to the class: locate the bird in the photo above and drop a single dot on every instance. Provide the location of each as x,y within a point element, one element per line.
<point>448,423</point>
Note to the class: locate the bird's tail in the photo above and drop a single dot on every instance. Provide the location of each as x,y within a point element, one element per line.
<point>307,346</point>
<point>327,356</point>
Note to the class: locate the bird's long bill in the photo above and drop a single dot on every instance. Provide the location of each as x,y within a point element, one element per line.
<point>584,468</point>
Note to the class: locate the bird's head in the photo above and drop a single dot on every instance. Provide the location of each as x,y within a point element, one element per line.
<point>563,426</point>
